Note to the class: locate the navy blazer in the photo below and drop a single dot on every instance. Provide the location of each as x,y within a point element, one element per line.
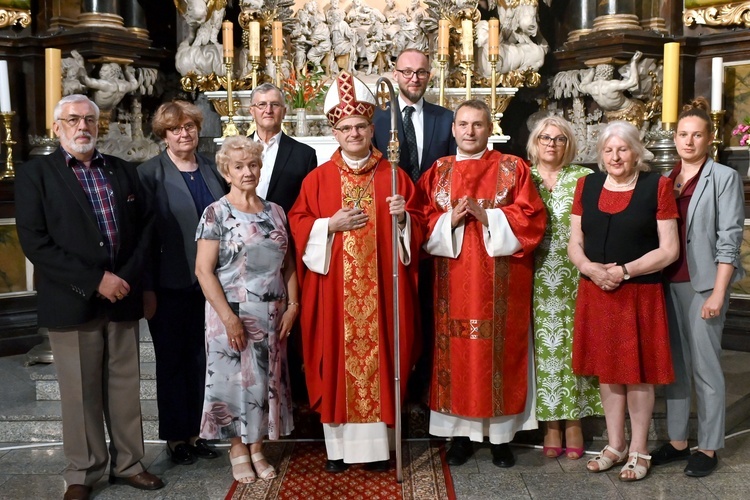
<point>59,234</point>
<point>438,134</point>
<point>294,161</point>
<point>173,250</point>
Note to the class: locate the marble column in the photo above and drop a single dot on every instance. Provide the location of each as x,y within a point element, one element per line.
<point>578,19</point>
<point>101,13</point>
<point>134,17</point>
<point>616,15</point>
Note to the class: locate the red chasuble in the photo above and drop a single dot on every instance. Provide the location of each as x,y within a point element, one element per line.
<point>483,304</point>
<point>347,315</point>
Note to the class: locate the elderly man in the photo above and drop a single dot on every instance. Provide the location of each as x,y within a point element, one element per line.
<point>342,229</point>
<point>286,162</point>
<point>485,218</point>
<point>82,223</point>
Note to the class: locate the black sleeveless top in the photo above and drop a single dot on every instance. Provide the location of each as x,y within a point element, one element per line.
<point>626,235</point>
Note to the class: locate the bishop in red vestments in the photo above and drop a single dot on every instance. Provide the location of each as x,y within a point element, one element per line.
<point>485,218</point>
<point>342,228</point>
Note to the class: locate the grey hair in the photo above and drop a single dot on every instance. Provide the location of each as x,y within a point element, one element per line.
<point>632,137</point>
<point>265,88</point>
<point>571,147</point>
<point>74,98</point>
<point>237,143</point>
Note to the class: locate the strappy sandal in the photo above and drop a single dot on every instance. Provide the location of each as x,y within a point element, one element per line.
<point>606,463</point>
<point>640,471</point>
<point>240,474</point>
<point>268,472</point>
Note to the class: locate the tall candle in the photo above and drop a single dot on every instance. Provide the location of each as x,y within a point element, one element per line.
<point>4,88</point>
<point>254,39</point>
<point>717,83</point>
<point>494,37</point>
<point>467,39</point>
<point>277,39</point>
<point>227,32</point>
<point>671,92</point>
<point>444,33</point>
<point>52,83</point>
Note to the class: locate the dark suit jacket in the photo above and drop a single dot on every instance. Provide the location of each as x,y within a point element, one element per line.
<point>59,235</point>
<point>294,161</point>
<point>175,219</point>
<point>438,136</point>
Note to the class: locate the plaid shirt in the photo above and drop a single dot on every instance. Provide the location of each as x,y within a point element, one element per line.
<point>101,198</point>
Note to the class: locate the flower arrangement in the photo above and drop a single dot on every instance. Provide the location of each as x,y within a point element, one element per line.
<point>305,89</point>
<point>742,130</point>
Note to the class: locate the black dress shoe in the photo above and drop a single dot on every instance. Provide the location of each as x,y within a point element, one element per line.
<point>181,454</point>
<point>701,465</point>
<point>334,466</point>
<point>667,453</point>
<point>381,466</point>
<point>502,455</point>
<point>143,481</point>
<point>460,451</point>
<point>201,449</point>
<point>77,492</point>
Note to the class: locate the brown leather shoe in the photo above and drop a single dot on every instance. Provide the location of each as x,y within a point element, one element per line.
<point>77,492</point>
<point>143,481</point>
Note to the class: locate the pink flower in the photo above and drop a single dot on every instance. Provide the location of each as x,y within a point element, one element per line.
<point>215,416</point>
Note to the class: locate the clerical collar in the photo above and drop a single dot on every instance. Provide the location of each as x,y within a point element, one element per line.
<point>417,105</point>
<point>460,156</point>
<point>355,164</point>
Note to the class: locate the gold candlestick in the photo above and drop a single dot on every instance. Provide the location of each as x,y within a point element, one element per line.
<point>496,130</point>
<point>254,65</point>
<point>442,60</point>
<point>717,119</point>
<point>230,128</point>
<point>10,172</point>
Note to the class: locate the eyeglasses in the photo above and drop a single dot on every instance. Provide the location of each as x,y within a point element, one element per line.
<point>346,129</point>
<point>74,120</point>
<point>546,140</point>
<point>422,74</point>
<point>261,106</point>
<point>188,127</point>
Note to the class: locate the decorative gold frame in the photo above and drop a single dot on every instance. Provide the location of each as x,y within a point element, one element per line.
<point>716,13</point>
<point>9,17</point>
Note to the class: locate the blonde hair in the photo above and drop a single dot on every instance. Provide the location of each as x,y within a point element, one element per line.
<point>571,147</point>
<point>236,143</point>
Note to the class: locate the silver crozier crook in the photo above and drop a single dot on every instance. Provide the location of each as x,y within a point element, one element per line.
<point>393,159</point>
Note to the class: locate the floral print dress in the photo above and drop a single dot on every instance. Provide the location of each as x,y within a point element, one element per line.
<point>560,394</point>
<point>247,393</point>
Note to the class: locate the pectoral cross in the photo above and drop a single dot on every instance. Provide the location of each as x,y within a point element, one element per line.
<point>358,196</point>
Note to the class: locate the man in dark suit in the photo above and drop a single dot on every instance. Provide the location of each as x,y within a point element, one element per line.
<point>427,135</point>
<point>81,221</point>
<point>286,162</point>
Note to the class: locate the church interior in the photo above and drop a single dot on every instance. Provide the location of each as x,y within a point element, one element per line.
<point>589,61</point>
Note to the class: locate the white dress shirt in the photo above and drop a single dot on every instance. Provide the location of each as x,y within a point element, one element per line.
<point>417,118</point>
<point>270,150</point>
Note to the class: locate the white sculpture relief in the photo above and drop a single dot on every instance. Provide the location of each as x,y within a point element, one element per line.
<point>200,52</point>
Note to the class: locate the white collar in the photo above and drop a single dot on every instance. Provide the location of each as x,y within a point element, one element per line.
<point>417,105</point>
<point>460,156</point>
<point>273,140</point>
<point>356,164</point>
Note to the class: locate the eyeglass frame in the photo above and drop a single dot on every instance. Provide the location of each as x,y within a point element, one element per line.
<point>409,73</point>
<point>263,105</point>
<point>546,140</point>
<point>74,120</point>
<point>188,127</point>
<point>347,129</point>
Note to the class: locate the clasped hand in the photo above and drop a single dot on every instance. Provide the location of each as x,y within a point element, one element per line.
<point>605,276</point>
<point>468,206</point>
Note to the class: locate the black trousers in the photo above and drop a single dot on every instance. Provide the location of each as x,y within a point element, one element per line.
<point>178,332</point>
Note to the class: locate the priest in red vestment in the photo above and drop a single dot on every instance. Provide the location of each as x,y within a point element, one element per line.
<point>484,220</point>
<point>342,229</point>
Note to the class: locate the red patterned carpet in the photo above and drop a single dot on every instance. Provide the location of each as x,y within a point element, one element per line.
<point>301,476</point>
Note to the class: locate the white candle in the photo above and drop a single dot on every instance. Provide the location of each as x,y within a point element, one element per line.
<point>4,88</point>
<point>717,83</point>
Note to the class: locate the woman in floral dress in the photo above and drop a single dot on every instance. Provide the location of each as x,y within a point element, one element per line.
<point>250,282</point>
<point>562,398</point>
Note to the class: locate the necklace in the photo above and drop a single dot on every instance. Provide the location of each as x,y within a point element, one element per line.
<point>620,186</point>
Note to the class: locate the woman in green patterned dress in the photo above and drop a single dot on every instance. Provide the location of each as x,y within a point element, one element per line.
<point>562,398</point>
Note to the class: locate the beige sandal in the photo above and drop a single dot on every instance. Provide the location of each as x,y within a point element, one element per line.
<point>606,463</point>
<point>268,472</point>
<point>241,474</point>
<point>640,471</point>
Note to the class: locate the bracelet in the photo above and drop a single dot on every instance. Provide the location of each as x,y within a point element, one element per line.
<point>292,303</point>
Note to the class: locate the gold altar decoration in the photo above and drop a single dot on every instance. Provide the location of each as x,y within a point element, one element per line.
<point>9,173</point>
<point>9,17</point>
<point>733,14</point>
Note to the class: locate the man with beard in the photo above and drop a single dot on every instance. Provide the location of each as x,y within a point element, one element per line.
<point>82,222</point>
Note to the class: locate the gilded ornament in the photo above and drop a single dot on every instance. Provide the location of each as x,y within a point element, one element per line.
<point>9,17</point>
<point>735,14</point>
